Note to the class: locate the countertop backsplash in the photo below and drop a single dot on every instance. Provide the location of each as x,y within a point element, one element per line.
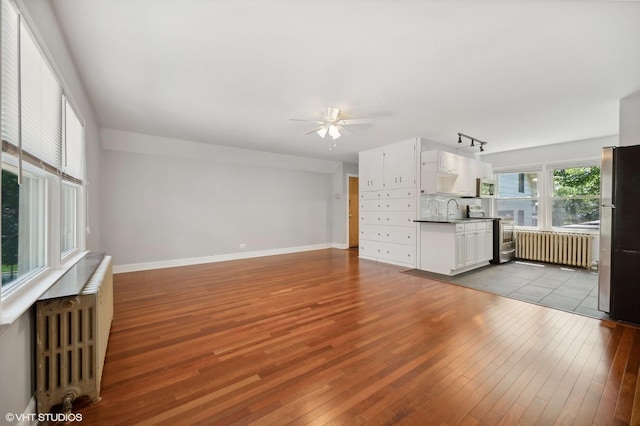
<point>434,207</point>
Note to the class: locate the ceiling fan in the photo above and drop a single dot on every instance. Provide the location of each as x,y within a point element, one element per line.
<point>333,125</point>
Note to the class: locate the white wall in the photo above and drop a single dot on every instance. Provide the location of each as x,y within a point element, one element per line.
<point>17,341</point>
<point>166,200</point>
<point>586,149</point>
<point>630,120</point>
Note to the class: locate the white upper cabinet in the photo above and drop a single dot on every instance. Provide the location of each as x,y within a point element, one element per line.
<point>400,165</point>
<point>390,167</point>
<point>370,170</point>
<point>446,173</point>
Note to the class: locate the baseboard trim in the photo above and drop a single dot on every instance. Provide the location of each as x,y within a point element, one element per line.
<point>136,267</point>
<point>29,417</point>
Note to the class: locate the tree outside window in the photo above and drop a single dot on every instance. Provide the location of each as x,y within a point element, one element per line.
<point>576,197</point>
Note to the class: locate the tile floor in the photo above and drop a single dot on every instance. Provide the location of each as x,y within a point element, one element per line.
<point>559,287</point>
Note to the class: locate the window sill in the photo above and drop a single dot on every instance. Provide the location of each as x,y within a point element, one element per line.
<point>19,301</point>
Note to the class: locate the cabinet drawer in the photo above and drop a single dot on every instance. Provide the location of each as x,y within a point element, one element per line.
<point>469,227</point>
<point>399,204</point>
<point>400,193</point>
<point>398,253</point>
<point>372,218</point>
<point>372,204</point>
<point>399,234</point>
<point>481,226</point>
<point>370,232</point>
<point>459,227</point>
<point>372,195</point>
<point>399,218</point>
<point>371,249</point>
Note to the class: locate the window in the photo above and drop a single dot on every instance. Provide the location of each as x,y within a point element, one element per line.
<point>518,197</point>
<point>69,209</point>
<point>23,225</point>
<point>576,198</point>
<point>556,196</point>
<point>43,171</point>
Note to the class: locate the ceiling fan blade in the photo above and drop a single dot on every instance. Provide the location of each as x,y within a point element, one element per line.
<point>355,121</point>
<point>315,130</point>
<point>344,129</point>
<point>308,121</point>
<point>332,113</point>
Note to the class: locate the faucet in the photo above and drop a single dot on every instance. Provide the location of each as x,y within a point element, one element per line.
<point>457,205</point>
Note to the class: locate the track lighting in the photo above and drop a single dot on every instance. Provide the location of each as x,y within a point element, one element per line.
<point>473,140</point>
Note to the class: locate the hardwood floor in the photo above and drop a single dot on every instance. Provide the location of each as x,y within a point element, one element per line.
<point>324,338</point>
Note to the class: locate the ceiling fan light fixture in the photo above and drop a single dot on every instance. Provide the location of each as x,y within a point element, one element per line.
<point>334,132</point>
<point>322,132</point>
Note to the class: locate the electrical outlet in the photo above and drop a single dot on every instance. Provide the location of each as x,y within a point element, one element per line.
<point>243,245</point>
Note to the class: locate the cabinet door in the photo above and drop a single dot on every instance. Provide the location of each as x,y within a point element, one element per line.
<point>481,246</point>
<point>390,167</point>
<point>460,250</point>
<point>370,170</point>
<point>470,248</point>
<point>407,165</point>
<point>448,163</point>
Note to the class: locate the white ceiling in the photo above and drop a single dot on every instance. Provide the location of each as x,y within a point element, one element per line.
<point>512,73</point>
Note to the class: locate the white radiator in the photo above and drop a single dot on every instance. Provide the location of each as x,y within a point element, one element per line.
<point>555,247</point>
<point>72,335</point>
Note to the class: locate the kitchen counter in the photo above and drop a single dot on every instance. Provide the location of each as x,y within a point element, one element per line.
<point>450,247</point>
<point>461,220</point>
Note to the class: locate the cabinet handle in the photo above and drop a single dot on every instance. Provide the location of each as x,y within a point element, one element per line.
<point>395,180</point>
<point>400,179</point>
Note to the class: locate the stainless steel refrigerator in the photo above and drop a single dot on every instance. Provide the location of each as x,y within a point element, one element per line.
<point>619,264</point>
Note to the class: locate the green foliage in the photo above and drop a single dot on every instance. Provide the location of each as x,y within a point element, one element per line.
<point>10,217</point>
<point>576,181</point>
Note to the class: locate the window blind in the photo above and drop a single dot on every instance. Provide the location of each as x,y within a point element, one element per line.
<point>74,158</point>
<point>41,103</point>
<point>10,117</point>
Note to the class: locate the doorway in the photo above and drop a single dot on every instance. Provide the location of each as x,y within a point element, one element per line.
<point>354,215</point>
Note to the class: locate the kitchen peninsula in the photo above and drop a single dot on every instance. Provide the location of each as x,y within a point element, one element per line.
<point>450,247</point>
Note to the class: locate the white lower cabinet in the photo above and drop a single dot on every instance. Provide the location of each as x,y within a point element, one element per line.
<point>387,230</point>
<point>452,248</point>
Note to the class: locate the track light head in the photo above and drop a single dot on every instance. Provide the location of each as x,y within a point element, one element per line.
<point>480,143</point>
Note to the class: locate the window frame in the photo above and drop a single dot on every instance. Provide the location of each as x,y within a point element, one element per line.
<point>539,198</point>
<point>551,197</point>
<point>17,298</point>
<point>545,192</point>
